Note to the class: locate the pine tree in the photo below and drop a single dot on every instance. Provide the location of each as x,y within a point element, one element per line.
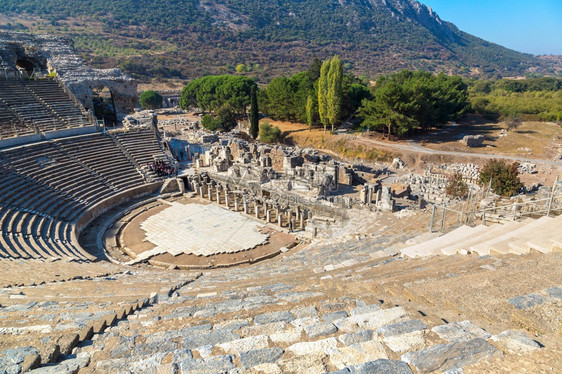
<point>254,113</point>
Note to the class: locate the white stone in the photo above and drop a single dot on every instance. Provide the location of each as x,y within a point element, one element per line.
<point>202,230</point>
<point>319,346</point>
<point>357,353</point>
<point>286,337</point>
<point>460,331</point>
<point>245,344</point>
<point>372,320</point>
<point>405,342</point>
<point>515,341</point>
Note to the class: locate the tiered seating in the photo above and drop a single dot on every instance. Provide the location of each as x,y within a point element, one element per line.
<point>10,125</point>
<point>53,96</point>
<point>518,237</point>
<point>45,187</point>
<point>41,105</point>
<point>142,146</point>
<point>99,153</point>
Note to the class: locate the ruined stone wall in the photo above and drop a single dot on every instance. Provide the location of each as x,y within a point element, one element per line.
<point>48,53</point>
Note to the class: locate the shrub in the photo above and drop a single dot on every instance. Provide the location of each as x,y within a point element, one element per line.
<point>150,99</point>
<point>269,133</point>
<point>456,186</point>
<point>504,177</point>
<point>210,123</point>
<point>513,122</point>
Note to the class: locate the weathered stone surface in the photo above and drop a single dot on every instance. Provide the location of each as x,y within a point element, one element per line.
<point>526,301</point>
<point>266,369</point>
<point>332,307</point>
<point>515,341</point>
<point>320,329</point>
<point>357,354</point>
<point>358,337</point>
<point>331,317</point>
<point>308,363</point>
<point>555,292</point>
<point>319,346</point>
<point>306,321</point>
<point>402,328</point>
<point>234,324</point>
<point>245,344</point>
<point>372,320</point>
<point>282,316</point>
<point>286,337</point>
<point>382,366</point>
<point>365,309</point>
<point>69,366</point>
<point>309,311</point>
<point>268,328</point>
<point>405,342</point>
<point>211,338</point>
<point>445,357</point>
<point>217,364</point>
<point>459,331</point>
<point>261,356</point>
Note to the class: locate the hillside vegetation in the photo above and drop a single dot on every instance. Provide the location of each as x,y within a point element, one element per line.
<point>263,39</point>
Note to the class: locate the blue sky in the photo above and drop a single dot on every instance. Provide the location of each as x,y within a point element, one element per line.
<point>532,26</point>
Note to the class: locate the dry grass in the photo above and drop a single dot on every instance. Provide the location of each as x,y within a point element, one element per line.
<point>533,139</point>
<point>339,145</point>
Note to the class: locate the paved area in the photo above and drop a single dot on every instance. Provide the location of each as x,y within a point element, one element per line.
<point>202,230</point>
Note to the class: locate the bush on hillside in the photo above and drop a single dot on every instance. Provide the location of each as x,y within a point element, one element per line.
<point>150,100</point>
<point>504,177</point>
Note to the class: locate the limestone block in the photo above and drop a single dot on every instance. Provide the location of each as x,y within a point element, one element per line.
<point>514,341</point>
<point>245,344</point>
<point>460,331</point>
<point>405,342</point>
<point>319,346</point>
<point>259,357</point>
<point>372,320</point>
<point>443,357</point>
<point>357,354</point>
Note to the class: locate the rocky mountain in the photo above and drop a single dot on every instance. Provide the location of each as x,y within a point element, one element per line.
<point>187,38</point>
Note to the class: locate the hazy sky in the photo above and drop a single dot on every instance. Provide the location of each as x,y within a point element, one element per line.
<point>532,26</point>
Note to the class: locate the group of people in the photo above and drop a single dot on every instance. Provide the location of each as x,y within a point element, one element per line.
<point>161,168</point>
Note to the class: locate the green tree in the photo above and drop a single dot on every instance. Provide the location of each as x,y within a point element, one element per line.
<point>504,177</point>
<point>269,133</point>
<point>280,99</point>
<point>254,113</point>
<point>334,92</point>
<point>309,112</point>
<point>226,118</point>
<point>150,99</point>
<point>323,93</point>
<point>390,108</point>
<point>210,123</point>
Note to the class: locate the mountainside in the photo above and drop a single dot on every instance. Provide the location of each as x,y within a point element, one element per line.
<point>188,38</point>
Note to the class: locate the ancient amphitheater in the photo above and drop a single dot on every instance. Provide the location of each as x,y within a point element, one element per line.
<point>252,258</point>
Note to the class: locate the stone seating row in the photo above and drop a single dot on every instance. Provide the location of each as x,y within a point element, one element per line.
<point>102,295</point>
<point>517,237</point>
<point>27,235</point>
<point>41,105</point>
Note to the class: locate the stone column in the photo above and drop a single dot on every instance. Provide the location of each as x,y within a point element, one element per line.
<point>210,191</point>
<point>245,207</point>
<point>235,203</point>
<point>280,220</point>
<point>226,202</point>
<point>218,192</point>
<point>267,215</point>
<point>257,210</point>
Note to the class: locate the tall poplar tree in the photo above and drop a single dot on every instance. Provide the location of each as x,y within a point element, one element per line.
<point>335,91</point>
<point>254,113</point>
<point>323,93</point>
<point>330,92</point>
<point>309,112</point>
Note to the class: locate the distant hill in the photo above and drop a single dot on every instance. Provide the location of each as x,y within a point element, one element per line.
<point>188,38</point>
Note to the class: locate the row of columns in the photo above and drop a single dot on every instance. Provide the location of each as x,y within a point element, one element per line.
<point>291,218</point>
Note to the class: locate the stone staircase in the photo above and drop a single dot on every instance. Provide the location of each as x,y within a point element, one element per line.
<point>517,237</point>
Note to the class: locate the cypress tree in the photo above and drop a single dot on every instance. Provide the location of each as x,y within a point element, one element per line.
<point>254,113</point>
